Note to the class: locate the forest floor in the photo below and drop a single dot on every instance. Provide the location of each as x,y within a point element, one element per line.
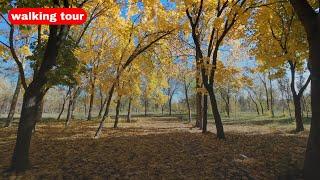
<point>158,148</point>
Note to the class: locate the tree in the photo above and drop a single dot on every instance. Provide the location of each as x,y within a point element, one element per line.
<point>44,59</point>
<point>311,22</point>
<point>290,48</point>
<point>210,24</point>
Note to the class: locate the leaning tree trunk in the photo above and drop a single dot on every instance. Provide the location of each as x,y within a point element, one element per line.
<point>106,113</point>
<point>32,99</point>
<point>129,111</point>
<point>13,103</point>
<point>116,121</point>
<point>64,104</point>
<point>255,103</point>
<point>30,109</point>
<point>102,106</point>
<point>216,114</point>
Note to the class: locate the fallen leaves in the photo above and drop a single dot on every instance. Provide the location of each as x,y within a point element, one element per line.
<point>154,149</point>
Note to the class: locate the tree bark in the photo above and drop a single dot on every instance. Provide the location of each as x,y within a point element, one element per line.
<point>216,114</point>
<point>129,111</point>
<point>267,92</point>
<point>91,101</point>
<point>199,110</point>
<point>170,106</point>
<point>187,100</point>
<point>255,103</point>
<point>311,22</point>
<point>13,103</point>
<point>106,113</point>
<point>69,114</point>
<point>116,121</point>
<point>271,96</point>
<point>33,97</point>
<point>103,103</point>
<point>30,109</point>
<point>205,114</point>
<point>297,113</point>
<point>64,104</point>
<point>145,107</point>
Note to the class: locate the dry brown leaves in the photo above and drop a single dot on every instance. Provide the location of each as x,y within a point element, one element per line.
<point>155,148</point>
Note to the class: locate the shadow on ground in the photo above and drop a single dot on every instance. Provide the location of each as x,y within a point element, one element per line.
<point>153,150</point>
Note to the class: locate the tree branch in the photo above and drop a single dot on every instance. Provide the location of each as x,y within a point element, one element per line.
<point>16,59</point>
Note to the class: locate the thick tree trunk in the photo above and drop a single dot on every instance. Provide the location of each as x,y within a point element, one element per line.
<point>205,114</point>
<point>116,121</point>
<point>297,113</point>
<point>13,103</point>
<point>106,113</point>
<point>129,111</point>
<point>311,22</point>
<point>91,101</point>
<point>33,97</point>
<point>216,114</point>
<point>30,109</point>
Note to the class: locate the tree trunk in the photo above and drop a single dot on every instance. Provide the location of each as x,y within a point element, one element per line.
<point>106,113</point>
<point>162,109</point>
<point>199,110</point>
<point>311,22</point>
<point>145,107</point>
<point>297,113</point>
<point>267,94</point>
<point>205,114</point>
<point>13,103</point>
<point>129,111</point>
<point>102,105</point>
<point>170,106</point>
<point>91,101</point>
<point>255,103</point>
<point>216,114</point>
<point>33,97</point>
<point>30,110</point>
<point>69,114</point>
<point>271,96</point>
<point>64,104</point>
<point>187,101</point>
<point>116,121</point>
<point>261,106</point>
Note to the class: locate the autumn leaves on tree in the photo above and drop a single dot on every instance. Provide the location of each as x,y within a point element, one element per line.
<point>139,52</point>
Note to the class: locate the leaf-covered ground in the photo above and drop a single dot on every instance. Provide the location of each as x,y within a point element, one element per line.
<point>156,148</point>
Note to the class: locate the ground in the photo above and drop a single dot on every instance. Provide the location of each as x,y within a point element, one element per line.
<point>158,148</point>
